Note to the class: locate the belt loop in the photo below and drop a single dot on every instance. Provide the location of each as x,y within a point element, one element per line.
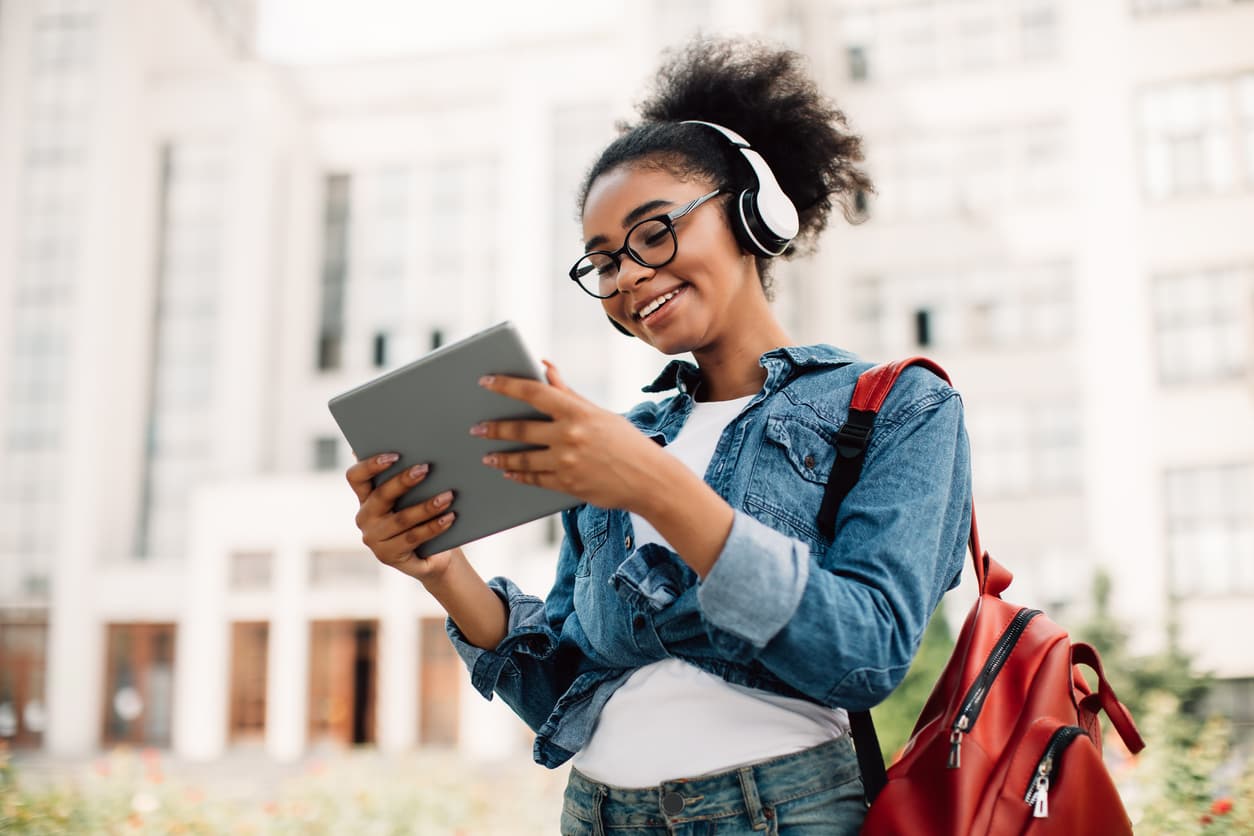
<point>753,804</point>
<point>598,823</point>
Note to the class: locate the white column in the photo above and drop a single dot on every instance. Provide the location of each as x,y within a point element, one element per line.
<point>202,664</point>
<point>287,677</point>
<point>398,663</point>
<point>75,660</point>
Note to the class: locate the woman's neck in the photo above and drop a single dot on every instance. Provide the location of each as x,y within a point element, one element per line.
<point>730,369</point>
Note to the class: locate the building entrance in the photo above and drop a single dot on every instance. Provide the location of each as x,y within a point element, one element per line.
<point>23,648</point>
<point>342,682</point>
<point>139,684</point>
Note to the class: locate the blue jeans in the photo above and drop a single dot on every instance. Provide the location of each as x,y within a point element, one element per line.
<point>816,792</point>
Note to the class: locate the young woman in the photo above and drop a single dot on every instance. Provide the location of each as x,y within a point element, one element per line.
<point>703,639</point>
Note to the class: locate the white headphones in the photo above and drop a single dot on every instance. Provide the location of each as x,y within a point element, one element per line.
<point>767,218</point>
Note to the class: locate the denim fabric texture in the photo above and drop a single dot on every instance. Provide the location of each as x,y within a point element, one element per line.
<point>783,609</point>
<point>816,792</point>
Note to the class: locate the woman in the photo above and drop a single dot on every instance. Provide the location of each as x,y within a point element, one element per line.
<point>703,639</point>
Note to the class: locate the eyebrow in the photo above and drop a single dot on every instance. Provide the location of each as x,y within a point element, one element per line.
<point>641,211</point>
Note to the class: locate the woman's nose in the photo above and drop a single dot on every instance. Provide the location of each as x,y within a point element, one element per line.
<point>631,273</point>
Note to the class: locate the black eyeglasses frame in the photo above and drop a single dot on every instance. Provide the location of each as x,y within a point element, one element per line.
<point>668,219</point>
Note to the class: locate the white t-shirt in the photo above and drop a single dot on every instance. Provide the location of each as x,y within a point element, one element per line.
<point>673,720</point>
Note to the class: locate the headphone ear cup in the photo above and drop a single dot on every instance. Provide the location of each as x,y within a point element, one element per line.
<point>735,219</point>
<point>618,327</point>
<point>753,234</point>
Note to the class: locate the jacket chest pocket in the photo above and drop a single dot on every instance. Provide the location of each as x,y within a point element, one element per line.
<point>790,475</point>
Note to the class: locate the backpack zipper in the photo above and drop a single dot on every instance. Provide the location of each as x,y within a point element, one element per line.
<point>1037,795</point>
<point>974,700</point>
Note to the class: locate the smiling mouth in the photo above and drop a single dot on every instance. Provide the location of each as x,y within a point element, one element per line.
<point>658,303</point>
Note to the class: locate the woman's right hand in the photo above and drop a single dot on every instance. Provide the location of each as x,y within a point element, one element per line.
<point>394,535</point>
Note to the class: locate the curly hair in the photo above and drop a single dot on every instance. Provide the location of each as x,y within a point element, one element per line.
<point>765,94</point>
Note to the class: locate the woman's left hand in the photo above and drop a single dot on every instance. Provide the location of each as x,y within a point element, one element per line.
<point>587,452</point>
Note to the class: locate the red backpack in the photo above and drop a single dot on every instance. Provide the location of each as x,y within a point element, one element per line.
<point>1009,741</point>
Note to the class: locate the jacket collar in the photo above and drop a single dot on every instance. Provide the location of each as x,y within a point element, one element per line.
<point>780,365</point>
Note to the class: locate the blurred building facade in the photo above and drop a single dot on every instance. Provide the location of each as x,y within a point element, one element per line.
<point>199,249</point>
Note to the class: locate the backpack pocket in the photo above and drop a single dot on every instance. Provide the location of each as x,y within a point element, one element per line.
<point>1056,783</point>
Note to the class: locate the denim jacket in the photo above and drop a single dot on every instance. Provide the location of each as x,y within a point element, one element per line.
<point>783,609</point>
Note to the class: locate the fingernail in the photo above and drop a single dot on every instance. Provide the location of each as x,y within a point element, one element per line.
<point>487,380</point>
<point>443,499</point>
<point>418,471</point>
<point>479,429</point>
<point>489,460</point>
<point>447,519</point>
<point>387,458</point>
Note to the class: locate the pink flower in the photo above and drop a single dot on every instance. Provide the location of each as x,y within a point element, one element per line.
<point>1221,806</point>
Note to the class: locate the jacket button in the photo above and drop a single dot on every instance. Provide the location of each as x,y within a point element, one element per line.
<point>627,542</point>
<point>809,462</point>
<point>672,803</point>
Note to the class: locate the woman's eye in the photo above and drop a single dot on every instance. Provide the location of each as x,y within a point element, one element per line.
<point>654,239</point>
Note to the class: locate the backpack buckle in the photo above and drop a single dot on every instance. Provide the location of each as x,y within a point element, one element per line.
<point>851,438</point>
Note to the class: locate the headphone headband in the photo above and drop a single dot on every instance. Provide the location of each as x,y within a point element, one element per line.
<point>767,218</point>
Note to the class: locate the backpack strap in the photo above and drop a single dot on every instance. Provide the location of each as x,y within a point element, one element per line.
<point>854,436</point>
<point>852,440</point>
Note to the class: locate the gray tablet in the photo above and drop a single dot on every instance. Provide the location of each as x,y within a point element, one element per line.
<point>424,412</point>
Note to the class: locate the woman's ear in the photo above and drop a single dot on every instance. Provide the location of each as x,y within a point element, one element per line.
<point>618,327</point>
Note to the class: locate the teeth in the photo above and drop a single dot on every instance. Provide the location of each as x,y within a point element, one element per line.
<point>656,303</point>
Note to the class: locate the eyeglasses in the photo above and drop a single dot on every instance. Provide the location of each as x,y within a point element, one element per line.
<point>650,243</point>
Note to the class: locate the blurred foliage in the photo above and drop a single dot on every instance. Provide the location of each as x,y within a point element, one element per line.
<point>127,792</point>
<point>1188,780</point>
<point>1138,679</point>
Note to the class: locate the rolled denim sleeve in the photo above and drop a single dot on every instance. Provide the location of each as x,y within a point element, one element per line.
<point>733,596</point>
<point>842,627</point>
<point>533,665</point>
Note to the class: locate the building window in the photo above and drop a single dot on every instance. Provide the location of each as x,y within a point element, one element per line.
<point>52,137</point>
<point>250,570</point>
<point>553,531</point>
<point>1187,129</point>
<point>971,174</point>
<point>922,328</point>
<point>1023,307</point>
<point>179,433</point>
<point>1038,28</point>
<point>1153,6</point>
<point>1233,699</point>
<point>335,568</point>
<point>919,40</point>
<point>380,350</point>
<point>1026,448</point>
<point>1203,323</point>
<point>326,453</point>
<point>856,57</point>
<point>1210,530</point>
<point>1245,104</point>
<point>335,235</point>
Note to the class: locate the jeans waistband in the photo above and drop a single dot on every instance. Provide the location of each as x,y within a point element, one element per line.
<point>719,794</point>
